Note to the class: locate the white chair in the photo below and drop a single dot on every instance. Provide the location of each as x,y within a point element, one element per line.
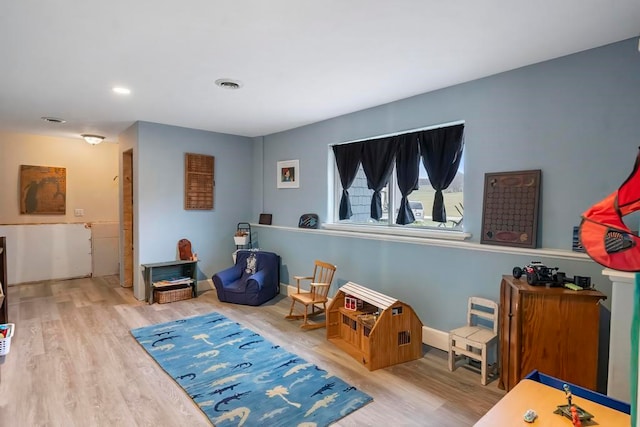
<point>481,332</point>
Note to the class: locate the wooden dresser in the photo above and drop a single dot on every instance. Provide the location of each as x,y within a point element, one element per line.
<point>553,330</point>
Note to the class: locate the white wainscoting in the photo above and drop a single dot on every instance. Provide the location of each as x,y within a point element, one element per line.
<point>38,252</point>
<point>105,248</point>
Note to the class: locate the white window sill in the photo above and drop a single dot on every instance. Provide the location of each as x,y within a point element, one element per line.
<point>450,239</point>
<point>400,232</point>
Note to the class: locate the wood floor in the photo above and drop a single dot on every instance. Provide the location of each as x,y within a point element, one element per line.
<point>73,362</point>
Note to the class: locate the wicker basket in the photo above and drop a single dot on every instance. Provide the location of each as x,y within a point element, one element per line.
<point>171,295</point>
<point>5,343</point>
<point>241,240</point>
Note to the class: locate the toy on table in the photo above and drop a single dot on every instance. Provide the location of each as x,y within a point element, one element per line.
<point>575,419</point>
<point>575,413</point>
<point>567,392</point>
<point>530,416</point>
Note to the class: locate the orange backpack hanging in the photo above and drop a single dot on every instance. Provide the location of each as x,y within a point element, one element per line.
<point>604,235</point>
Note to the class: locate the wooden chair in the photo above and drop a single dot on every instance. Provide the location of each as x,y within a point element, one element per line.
<point>472,341</point>
<point>320,282</point>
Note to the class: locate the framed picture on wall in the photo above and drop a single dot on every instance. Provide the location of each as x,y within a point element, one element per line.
<point>288,174</point>
<point>265,219</point>
<point>43,190</point>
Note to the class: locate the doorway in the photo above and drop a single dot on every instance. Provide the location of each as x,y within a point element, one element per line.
<point>127,218</point>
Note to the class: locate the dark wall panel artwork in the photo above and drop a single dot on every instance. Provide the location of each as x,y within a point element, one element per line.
<point>510,208</point>
<point>199,183</point>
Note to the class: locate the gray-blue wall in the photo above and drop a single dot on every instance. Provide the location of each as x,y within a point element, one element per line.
<point>576,118</point>
<point>159,196</point>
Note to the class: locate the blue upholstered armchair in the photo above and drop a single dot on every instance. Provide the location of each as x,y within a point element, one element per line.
<point>254,280</point>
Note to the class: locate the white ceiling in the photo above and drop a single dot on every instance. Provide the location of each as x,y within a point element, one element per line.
<point>300,61</point>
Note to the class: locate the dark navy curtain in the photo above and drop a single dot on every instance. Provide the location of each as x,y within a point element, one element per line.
<point>407,172</point>
<point>347,161</point>
<point>377,162</point>
<point>441,151</point>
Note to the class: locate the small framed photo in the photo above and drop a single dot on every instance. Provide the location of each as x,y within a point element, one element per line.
<point>265,219</point>
<point>288,174</point>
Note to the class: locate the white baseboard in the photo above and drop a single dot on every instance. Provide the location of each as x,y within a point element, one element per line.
<point>435,338</point>
<point>287,289</point>
<point>205,285</point>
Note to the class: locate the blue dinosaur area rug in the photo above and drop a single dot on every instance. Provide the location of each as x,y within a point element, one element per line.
<point>239,378</point>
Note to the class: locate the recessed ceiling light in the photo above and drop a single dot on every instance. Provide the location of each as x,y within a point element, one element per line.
<point>121,90</point>
<point>229,83</point>
<point>53,120</point>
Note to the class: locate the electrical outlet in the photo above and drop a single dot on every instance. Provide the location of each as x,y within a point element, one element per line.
<point>79,212</point>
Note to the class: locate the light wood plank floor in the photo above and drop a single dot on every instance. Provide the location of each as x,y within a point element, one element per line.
<point>73,362</point>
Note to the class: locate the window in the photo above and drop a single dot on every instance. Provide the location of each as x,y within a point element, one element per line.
<point>420,200</point>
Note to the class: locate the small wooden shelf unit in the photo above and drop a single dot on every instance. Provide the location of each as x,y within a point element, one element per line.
<point>155,274</point>
<point>392,336</point>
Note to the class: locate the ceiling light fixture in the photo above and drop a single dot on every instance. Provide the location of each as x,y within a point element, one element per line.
<point>229,83</point>
<point>53,120</point>
<point>92,139</point>
<point>121,90</point>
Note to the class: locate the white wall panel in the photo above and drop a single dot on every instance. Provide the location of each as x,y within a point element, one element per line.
<point>47,251</point>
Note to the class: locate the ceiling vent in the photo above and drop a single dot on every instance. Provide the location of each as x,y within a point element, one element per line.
<point>53,120</point>
<point>229,83</point>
